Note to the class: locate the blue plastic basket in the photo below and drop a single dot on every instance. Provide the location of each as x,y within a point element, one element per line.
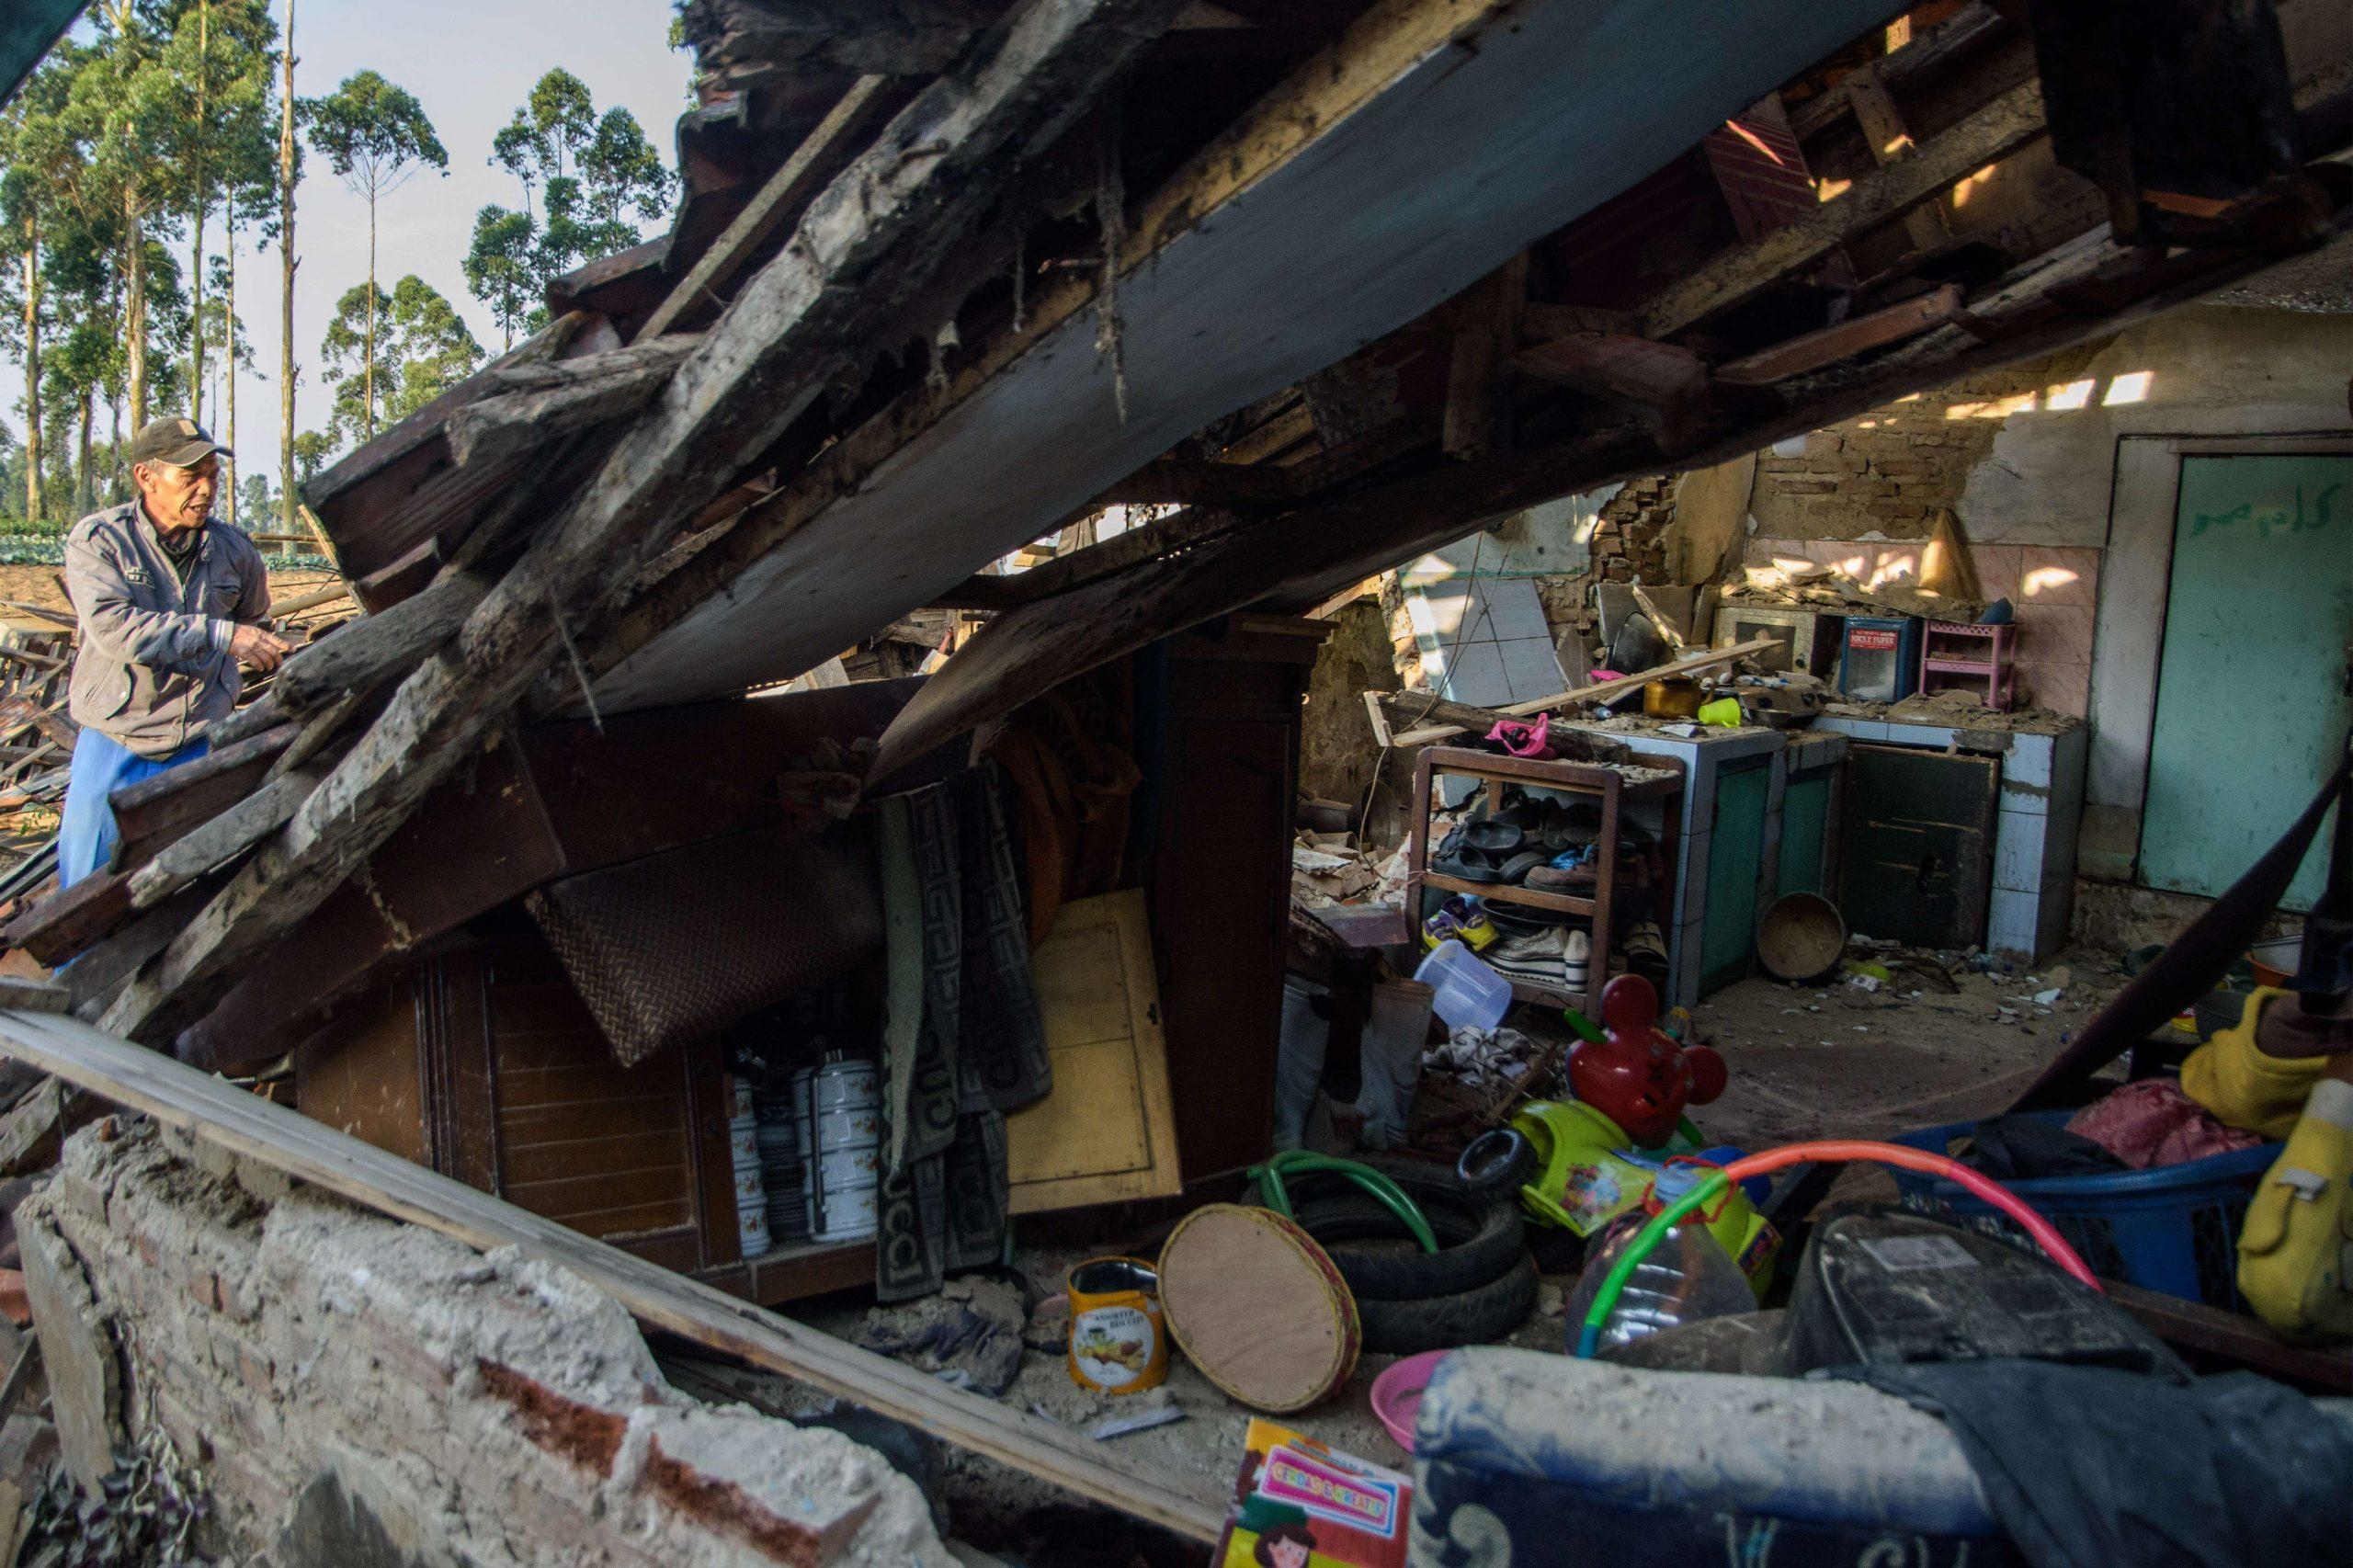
<point>2173,1229</point>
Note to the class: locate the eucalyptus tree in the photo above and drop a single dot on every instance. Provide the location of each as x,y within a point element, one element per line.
<point>375,136</point>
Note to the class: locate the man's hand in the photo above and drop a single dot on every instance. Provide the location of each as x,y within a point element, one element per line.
<point>259,647</point>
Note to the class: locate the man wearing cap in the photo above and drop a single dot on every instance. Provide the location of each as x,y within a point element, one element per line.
<point>170,602</point>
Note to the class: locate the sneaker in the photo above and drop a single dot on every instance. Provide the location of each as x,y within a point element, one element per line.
<point>1532,959</point>
<point>1576,960</point>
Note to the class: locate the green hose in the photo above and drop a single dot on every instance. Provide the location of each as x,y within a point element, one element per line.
<point>1302,1161</point>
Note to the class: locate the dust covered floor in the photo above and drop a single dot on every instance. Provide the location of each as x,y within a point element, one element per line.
<point>1806,1061</point>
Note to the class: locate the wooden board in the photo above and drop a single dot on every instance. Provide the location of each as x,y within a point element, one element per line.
<point>229,1119</point>
<point>1258,1307</point>
<point>1108,1133</point>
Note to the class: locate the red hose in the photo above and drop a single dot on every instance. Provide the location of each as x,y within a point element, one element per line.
<point>1830,1149</point>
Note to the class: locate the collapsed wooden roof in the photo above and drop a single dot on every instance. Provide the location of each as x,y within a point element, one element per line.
<point>1346,280</point>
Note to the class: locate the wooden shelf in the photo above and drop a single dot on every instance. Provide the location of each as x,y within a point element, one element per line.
<point>1505,893</point>
<point>789,1273</point>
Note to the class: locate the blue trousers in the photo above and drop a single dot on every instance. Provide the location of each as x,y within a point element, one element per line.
<point>102,765</point>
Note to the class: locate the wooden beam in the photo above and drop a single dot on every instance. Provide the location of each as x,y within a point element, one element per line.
<point>1973,27</point>
<point>1195,483</point>
<point>1664,384</point>
<point>227,1117</point>
<point>1486,330</point>
<point>1890,140</point>
<point>547,402</point>
<point>155,811</point>
<point>1813,351</point>
<point>780,200</point>
<point>227,835</point>
<point>1992,133</point>
<point>362,655</point>
<point>866,244</point>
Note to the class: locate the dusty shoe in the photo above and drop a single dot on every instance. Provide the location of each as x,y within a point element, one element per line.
<point>1532,959</point>
<point>1576,960</point>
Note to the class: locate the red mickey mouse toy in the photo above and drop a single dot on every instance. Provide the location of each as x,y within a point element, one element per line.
<point>1637,1075</point>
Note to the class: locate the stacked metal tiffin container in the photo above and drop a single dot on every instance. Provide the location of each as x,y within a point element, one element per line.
<point>838,1109</point>
<point>744,1146</point>
<point>780,1170</point>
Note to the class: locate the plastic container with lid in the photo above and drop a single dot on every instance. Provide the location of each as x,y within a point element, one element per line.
<point>1469,991</point>
<point>1687,1277</point>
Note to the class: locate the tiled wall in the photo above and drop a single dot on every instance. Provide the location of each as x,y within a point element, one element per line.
<point>2054,589</point>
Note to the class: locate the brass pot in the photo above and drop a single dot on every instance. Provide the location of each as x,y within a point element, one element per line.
<point>1671,696</point>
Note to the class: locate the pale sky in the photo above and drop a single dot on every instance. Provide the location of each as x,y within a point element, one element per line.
<point>472,64</point>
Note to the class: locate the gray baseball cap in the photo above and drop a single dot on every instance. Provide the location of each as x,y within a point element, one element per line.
<point>178,440</point>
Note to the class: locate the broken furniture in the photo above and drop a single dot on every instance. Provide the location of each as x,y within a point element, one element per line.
<point>1604,784</point>
<point>1954,655</point>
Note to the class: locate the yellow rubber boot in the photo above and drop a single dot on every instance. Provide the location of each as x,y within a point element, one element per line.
<point>2296,1249</point>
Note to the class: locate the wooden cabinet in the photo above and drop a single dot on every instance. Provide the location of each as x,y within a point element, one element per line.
<point>484,1063</point>
<point>1227,781</point>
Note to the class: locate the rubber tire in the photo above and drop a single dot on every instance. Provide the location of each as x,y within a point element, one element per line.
<point>1475,1317</point>
<point>1502,1184</point>
<point>1479,1238</point>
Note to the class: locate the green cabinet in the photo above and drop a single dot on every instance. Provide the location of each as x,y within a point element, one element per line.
<point>1805,834</point>
<point>1735,855</point>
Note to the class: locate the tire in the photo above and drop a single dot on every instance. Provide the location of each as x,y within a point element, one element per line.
<point>1505,1161</point>
<point>1479,1238</point>
<point>1445,1322</point>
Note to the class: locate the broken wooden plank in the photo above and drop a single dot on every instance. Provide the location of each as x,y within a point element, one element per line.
<point>311,600</point>
<point>1992,133</point>
<point>246,1125</point>
<point>33,995</point>
<point>71,918</point>
<point>1192,482</point>
<point>1426,713</point>
<point>155,811</point>
<point>2248,1342</point>
<point>33,1127</point>
<point>867,241</point>
<point>367,652</point>
<point>780,200</point>
<point>1597,692</point>
<point>1813,351</point>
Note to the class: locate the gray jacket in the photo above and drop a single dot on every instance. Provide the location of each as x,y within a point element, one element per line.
<point>155,671</point>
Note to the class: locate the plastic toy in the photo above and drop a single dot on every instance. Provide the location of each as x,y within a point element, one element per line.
<point>1636,1075</point>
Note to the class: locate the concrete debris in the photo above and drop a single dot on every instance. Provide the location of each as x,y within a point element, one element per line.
<point>483,1408</point>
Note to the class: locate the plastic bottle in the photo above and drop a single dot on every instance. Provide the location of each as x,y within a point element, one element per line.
<point>1687,1277</point>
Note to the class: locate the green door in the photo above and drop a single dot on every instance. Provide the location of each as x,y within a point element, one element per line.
<point>2251,701</point>
<point>1735,859</point>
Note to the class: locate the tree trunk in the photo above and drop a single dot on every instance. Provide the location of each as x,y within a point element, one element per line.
<point>229,372</point>
<point>286,500</point>
<point>33,507</point>
<point>368,371</point>
<point>196,256</point>
<point>134,309</point>
<point>84,490</point>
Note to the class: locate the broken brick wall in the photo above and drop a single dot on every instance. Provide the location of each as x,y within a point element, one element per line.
<point>488,1409</point>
